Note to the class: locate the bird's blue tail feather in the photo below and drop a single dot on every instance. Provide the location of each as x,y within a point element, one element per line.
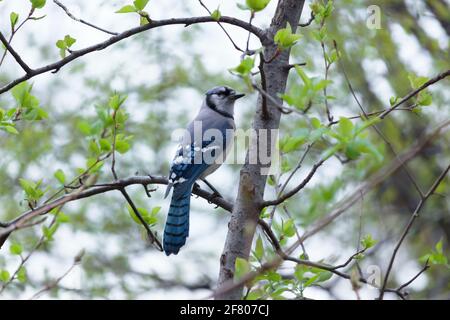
<point>177,224</point>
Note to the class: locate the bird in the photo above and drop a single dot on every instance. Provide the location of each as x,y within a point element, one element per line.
<point>207,139</point>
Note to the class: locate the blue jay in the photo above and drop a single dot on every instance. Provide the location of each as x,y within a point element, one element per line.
<point>206,139</point>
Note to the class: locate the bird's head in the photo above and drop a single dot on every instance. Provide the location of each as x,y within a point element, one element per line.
<point>222,99</point>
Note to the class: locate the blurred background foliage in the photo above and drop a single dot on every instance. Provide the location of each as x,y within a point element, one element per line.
<point>164,74</point>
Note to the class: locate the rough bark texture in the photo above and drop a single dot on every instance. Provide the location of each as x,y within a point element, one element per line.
<point>242,225</point>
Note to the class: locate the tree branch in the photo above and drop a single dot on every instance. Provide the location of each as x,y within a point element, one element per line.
<point>99,189</point>
<point>246,211</point>
<point>224,30</point>
<point>54,67</point>
<point>311,19</point>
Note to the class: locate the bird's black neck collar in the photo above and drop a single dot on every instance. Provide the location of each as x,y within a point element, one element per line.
<point>212,106</point>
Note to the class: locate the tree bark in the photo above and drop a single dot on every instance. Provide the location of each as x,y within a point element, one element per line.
<point>243,221</point>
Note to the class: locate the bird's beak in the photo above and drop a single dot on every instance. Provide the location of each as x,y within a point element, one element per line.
<point>238,96</point>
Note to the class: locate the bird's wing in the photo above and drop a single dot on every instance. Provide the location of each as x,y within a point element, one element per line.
<point>189,164</point>
<point>193,159</point>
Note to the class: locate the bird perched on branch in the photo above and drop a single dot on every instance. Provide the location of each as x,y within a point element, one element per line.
<point>202,150</point>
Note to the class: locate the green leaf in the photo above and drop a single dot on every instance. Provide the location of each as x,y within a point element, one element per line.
<point>84,127</point>
<point>345,127</point>
<point>11,129</point>
<point>315,123</point>
<point>155,210</point>
<point>393,100</point>
<point>22,275</point>
<point>143,21</point>
<point>105,145</point>
<point>416,81</point>
<point>424,99</point>
<point>122,146</point>
<point>20,93</point>
<point>322,84</point>
<point>438,247</point>
<point>62,217</point>
<point>31,189</point>
<point>284,38</point>
<point>216,14</point>
<point>436,256</point>
<point>330,151</point>
<point>368,242</point>
<point>4,275</point>
<point>241,268</point>
<point>62,53</point>
<point>245,67</point>
<point>328,8</point>
<point>27,186</point>
<point>38,4</point>
<point>60,176</point>
<point>116,101</point>
<point>289,228</point>
<point>257,5</point>
<point>146,216</point>
<point>15,248</point>
<point>311,280</point>
<point>61,44</point>
<point>94,148</point>
<point>127,9</point>
<point>140,4</point>
<point>50,231</point>
<point>69,41</point>
<point>292,143</point>
<point>351,151</point>
<point>306,80</point>
<point>366,124</point>
<point>13,18</point>
<point>259,248</point>
<point>324,276</point>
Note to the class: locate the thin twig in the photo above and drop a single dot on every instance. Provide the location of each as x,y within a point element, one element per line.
<point>374,113</point>
<point>16,56</point>
<point>224,30</point>
<point>327,68</point>
<point>113,161</point>
<point>295,190</point>
<point>293,172</point>
<point>408,226</point>
<point>413,93</point>
<point>14,31</point>
<point>81,20</point>
<point>425,268</point>
<point>55,283</point>
<point>151,236</point>
<point>311,19</point>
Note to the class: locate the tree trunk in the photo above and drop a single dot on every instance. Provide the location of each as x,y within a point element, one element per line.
<point>242,225</point>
